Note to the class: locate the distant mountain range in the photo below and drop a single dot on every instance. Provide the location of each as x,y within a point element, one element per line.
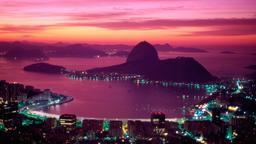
<point>27,50</point>
<point>19,50</point>
<point>160,47</point>
<point>144,60</point>
<point>74,50</point>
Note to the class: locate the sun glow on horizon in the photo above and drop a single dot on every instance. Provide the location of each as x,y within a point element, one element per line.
<point>189,22</point>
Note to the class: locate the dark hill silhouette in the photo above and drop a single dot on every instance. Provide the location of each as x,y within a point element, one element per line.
<point>76,50</point>
<point>143,51</point>
<point>19,50</point>
<point>44,68</point>
<point>143,60</point>
<point>28,50</point>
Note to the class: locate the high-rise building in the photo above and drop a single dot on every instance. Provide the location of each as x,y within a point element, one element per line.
<point>158,119</point>
<point>68,121</point>
<point>158,123</point>
<point>4,90</point>
<point>8,113</point>
<point>8,107</point>
<point>91,127</point>
<point>138,129</point>
<point>14,90</point>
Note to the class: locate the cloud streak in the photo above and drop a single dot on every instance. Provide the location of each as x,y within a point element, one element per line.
<point>215,27</point>
<point>22,28</point>
<point>109,20</point>
<point>227,31</point>
<point>165,23</point>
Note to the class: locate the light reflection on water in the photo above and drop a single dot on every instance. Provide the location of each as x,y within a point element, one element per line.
<point>117,99</point>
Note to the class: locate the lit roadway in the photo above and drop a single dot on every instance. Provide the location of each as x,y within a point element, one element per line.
<point>35,110</point>
<point>44,114</point>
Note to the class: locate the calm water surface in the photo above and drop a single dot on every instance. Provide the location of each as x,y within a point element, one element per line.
<point>120,99</point>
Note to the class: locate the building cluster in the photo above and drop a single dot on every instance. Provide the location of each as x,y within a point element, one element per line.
<point>12,97</point>
<point>68,129</point>
<point>13,92</point>
<point>227,116</point>
<point>15,98</point>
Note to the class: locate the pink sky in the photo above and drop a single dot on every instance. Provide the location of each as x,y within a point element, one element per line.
<point>180,22</point>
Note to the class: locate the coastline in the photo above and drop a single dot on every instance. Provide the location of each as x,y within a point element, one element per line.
<point>37,110</point>
<point>62,100</point>
<point>66,100</point>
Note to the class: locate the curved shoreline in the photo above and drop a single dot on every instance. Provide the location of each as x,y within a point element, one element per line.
<point>38,110</point>
<point>45,114</point>
<point>64,99</point>
<point>67,99</point>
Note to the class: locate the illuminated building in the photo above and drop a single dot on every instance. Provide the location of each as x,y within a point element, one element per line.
<point>233,108</point>
<point>8,107</point>
<point>14,90</point>
<point>10,91</point>
<point>68,121</point>
<point>125,129</point>
<point>105,125</point>
<point>8,113</point>
<point>242,128</point>
<point>158,123</point>
<point>4,90</point>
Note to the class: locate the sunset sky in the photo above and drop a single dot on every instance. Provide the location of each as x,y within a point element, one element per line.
<point>179,22</point>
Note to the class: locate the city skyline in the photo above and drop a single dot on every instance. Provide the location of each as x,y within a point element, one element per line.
<point>135,71</point>
<point>184,23</point>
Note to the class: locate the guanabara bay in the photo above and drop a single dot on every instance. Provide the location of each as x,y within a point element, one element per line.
<point>127,72</point>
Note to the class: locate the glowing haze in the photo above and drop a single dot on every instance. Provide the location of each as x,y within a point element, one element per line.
<point>181,22</point>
